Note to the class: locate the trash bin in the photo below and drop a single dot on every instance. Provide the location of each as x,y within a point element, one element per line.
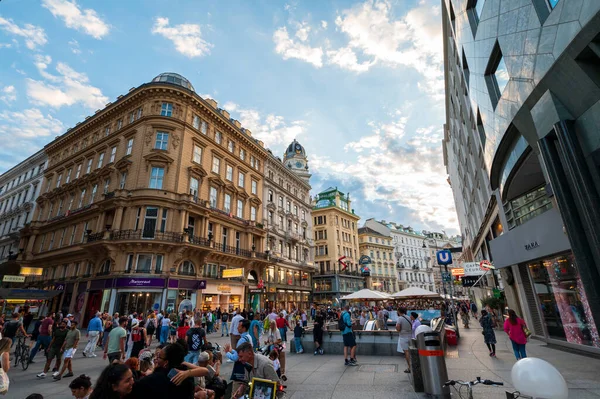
<point>433,364</point>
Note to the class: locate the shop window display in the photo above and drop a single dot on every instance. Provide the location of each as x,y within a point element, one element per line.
<point>563,301</point>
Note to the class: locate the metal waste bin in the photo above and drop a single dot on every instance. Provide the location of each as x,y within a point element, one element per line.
<point>433,364</point>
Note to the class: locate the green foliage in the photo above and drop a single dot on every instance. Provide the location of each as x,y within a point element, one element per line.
<point>494,303</point>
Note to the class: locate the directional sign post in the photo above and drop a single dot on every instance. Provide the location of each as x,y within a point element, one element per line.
<point>444,257</point>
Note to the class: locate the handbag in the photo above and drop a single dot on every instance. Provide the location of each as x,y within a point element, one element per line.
<point>527,331</point>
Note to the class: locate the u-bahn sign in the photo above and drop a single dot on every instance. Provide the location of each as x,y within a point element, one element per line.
<point>365,260</point>
<point>444,257</point>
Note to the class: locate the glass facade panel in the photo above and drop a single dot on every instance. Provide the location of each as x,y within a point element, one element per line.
<point>501,76</point>
<point>562,299</point>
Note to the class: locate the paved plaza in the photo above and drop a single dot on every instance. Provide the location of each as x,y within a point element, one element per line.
<point>325,377</point>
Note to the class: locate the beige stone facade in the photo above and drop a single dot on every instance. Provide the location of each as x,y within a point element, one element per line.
<point>335,230</point>
<point>147,198</point>
<point>380,249</point>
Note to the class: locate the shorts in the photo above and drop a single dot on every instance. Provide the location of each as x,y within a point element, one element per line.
<point>54,353</point>
<point>349,340</point>
<point>69,353</point>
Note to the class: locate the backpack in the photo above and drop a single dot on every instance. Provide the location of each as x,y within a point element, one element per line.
<point>136,335</point>
<point>11,328</point>
<point>341,323</point>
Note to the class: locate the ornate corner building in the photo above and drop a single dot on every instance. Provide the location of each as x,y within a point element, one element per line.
<point>380,250</point>
<point>151,203</point>
<point>335,229</point>
<point>287,219</point>
<point>522,150</point>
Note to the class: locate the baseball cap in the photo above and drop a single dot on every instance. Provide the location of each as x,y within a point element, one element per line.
<point>203,357</point>
<point>69,315</point>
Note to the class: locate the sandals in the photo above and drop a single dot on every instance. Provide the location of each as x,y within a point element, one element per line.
<point>407,371</point>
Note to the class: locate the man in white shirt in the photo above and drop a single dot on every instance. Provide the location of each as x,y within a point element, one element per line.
<point>273,315</point>
<point>233,332</point>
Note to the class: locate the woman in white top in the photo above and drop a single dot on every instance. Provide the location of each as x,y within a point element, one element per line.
<point>5,344</point>
<point>165,323</point>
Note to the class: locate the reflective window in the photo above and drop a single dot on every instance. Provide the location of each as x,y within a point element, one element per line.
<point>166,109</point>
<point>479,7</point>
<point>501,75</point>
<point>553,3</point>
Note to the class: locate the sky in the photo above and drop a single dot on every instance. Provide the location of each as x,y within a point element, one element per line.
<point>358,83</point>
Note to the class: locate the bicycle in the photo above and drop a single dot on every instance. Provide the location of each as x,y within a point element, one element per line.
<point>22,353</point>
<point>470,385</point>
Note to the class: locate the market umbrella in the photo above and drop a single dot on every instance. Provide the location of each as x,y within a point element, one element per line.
<point>367,294</point>
<point>415,293</point>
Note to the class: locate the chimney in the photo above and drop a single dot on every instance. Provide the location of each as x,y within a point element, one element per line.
<point>224,113</point>
<point>248,132</point>
<point>237,123</point>
<point>212,102</point>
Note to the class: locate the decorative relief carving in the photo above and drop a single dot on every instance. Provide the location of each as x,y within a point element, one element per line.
<point>148,137</point>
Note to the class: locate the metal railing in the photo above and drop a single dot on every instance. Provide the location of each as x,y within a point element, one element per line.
<point>205,242</point>
<point>146,235</point>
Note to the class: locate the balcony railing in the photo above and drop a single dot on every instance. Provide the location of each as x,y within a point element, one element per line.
<point>228,249</point>
<point>95,237</point>
<point>186,273</point>
<point>205,242</point>
<point>146,235</point>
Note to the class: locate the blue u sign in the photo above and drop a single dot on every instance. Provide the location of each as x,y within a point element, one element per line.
<point>444,257</point>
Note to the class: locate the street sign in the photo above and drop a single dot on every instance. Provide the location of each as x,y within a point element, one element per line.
<point>469,281</point>
<point>13,279</point>
<point>231,273</point>
<point>444,257</point>
<point>365,260</point>
<point>473,269</point>
<point>458,271</point>
<point>486,265</point>
<point>497,293</point>
<point>446,277</point>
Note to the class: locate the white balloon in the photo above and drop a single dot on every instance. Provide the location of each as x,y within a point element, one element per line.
<point>422,329</point>
<point>538,379</point>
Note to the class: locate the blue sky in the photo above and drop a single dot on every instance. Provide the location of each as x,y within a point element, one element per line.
<point>358,83</point>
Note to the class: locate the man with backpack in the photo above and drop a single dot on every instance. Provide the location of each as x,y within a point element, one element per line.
<point>345,326</point>
<point>224,324</point>
<point>13,328</point>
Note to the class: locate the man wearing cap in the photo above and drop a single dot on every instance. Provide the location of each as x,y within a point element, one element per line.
<point>93,332</point>
<point>202,392</point>
<point>69,319</point>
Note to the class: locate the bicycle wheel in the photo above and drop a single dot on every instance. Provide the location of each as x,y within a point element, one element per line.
<point>17,354</point>
<point>25,359</point>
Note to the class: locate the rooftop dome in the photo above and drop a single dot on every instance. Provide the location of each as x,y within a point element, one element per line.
<point>174,78</point>
<point>293,149</point>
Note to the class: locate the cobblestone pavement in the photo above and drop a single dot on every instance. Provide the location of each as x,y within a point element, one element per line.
<point>326,376</point>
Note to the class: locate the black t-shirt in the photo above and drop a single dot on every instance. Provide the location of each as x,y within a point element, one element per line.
<point>225,317</point>
<point>195,338</point>
<point>250,315</point>
<point>59,337</point>
<point>158,385</point>
<point>10,328</point>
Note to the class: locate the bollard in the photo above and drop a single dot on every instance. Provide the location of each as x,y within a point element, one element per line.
<point>433,364</point>
<point>415,376</point>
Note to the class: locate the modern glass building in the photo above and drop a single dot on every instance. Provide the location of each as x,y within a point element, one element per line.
<point>522,150</point>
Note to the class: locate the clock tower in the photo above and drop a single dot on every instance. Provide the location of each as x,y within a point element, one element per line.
<point>295,160</point>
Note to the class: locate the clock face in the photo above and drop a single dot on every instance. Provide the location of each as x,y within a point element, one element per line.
<point>298,164</point>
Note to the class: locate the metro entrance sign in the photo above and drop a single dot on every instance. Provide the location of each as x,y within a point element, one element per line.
<point>444,257</point>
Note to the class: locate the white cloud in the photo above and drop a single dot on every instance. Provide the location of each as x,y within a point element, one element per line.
<point>324,24</point>
<point>5,45</point>
<point>28,130</point>
<point>288,48</point>
<point>34,36</point>
<point>186,37</point>
<point>75,46</point>
<point>399,167</point>
<point>67,88</point>
<point>271,129</point>
<point>86,20</point>
<point>346,59</point>
<point>8,94</point>
<point>302,32</point>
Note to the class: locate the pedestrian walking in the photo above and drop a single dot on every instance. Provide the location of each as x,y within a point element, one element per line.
<point>348,337</point>
<point>489,336</point>
<point>44,337</point>
<point>5,344</point>
<point>474,310</point>
<point>282,326</point>
<point>138,337</point>
<point>464,316</point>
<point>115,344</point>
<point>414,318</point>
<point>318,333</point>
<point>517,332</point>
<point>150,328</point>
<point>255,330</point>
<point>225,323</point>
<point>234,333</point>
<point>298,331</point>
<point>56,346</point>
<point>404,327</point>
<point>93,333</point>
<point>196,341</point>
<point>81,387</point>
<point>165,324</point>
<point>69,348</point>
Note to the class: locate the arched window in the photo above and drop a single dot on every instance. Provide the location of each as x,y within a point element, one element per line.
<point>187,268</point>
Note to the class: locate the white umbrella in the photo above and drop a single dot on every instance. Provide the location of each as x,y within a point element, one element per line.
<point>367,294</point>
<point>415,293</point>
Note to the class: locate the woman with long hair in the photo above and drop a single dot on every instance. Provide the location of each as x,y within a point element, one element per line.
<point>150,328</point>
<point>81,387</point>
<point>115,382</point>
<point>515,328</point>
<point>5,344</point>
<point>489,336</point>
<point>138,337</point>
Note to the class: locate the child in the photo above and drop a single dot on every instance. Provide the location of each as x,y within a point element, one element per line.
<point>274,356</point>
<point>298,330</point>
<point>182,330</point>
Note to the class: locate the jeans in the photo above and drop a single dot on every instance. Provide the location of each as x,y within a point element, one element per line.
<point>519,350</point>
<point>298,342</point>
<point>192,357</point>
<point>43,340</point>
<point>225,329</point>
<point>91,345</point>
<point>164,334</point>
<point>282,331</point>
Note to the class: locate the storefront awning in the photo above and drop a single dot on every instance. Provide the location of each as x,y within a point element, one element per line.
<point>27,294</point>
